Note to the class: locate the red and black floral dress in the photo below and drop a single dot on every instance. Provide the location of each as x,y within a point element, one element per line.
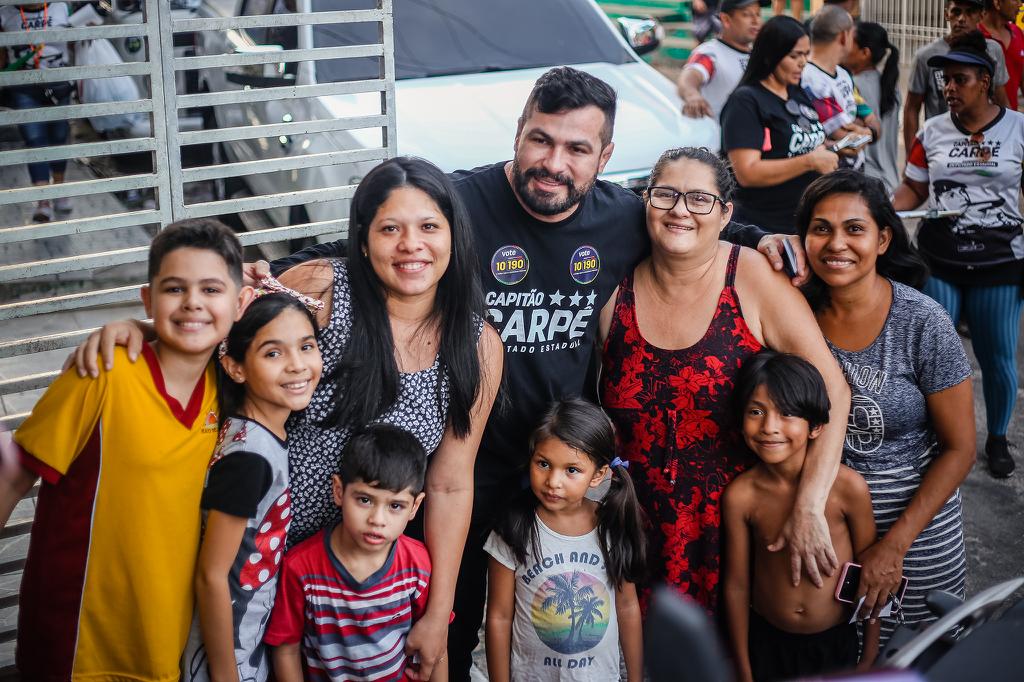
<point>671,411</point>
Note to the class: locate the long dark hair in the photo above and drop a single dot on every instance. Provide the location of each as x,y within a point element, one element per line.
<point>876,39</point>
<point>900,262</point>
<point>367,368</point>
<point>259,314</point>
<point>774,41</point>
<point>620,528</point>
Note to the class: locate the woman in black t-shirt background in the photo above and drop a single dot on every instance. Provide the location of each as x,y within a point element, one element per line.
<point>771,131</point>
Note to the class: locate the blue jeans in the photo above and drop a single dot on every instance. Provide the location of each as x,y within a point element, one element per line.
<point>993,316</point>
<point>41,134</point>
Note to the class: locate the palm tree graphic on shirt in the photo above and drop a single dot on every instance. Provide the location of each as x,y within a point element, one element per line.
<point>568,595</point>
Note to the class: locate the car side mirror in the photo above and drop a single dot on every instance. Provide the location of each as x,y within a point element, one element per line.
<point>644,34</point>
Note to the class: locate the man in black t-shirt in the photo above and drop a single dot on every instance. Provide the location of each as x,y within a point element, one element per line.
<point>554,241</point>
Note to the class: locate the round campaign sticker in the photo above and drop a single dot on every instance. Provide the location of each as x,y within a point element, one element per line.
<point>509,264</point>
<point>585,264</point>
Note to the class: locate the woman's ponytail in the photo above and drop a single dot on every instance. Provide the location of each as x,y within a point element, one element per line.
<point>889,81</point>
<point>620,527</point>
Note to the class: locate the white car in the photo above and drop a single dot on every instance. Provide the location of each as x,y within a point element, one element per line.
<point>464,69</point>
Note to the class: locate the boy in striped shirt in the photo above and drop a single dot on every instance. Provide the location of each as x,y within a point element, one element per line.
<point>349,595</point>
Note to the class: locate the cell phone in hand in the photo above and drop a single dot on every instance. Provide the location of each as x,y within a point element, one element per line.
<point>789,262</point>
<point>849,581</point>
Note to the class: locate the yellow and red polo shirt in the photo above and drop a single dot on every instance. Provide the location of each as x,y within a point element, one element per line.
<point>107,590</point>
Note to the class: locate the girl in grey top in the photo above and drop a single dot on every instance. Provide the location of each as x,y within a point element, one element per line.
<point>911,425</point>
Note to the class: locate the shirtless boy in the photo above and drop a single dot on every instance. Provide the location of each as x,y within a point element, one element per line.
<point>779,631</point>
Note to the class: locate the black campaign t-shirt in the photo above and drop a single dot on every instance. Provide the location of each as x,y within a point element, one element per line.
<point>544,286</point>
<point>755,118</point>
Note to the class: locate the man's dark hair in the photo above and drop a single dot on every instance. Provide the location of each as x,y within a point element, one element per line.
<point>566,89</point>
<point>386,457</point>
<point>197,233</point>
<point>793,384</point>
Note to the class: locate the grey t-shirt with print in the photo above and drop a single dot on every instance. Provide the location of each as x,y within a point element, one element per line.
<point>927,80</point>
<point>565,625</point>
<point>916,354</point>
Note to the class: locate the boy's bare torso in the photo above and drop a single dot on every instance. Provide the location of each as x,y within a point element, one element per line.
<point>803,609</point>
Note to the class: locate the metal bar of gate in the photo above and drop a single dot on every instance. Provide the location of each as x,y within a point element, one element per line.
<point>43,291</point>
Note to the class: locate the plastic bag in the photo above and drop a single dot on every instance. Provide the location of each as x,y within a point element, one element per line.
<point>117,89</point>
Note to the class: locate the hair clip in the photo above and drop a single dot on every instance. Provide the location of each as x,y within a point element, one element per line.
<point>624,463</point>
<point>269,285</point>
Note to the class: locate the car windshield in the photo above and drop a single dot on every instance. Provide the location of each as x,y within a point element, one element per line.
<point>447,37</point>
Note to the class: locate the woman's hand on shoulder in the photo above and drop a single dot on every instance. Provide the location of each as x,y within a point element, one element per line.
<point>772,247</point>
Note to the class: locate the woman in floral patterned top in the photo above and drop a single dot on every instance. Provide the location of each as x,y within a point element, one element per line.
<point>674,336</point>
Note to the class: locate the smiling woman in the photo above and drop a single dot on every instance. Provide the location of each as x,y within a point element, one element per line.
<point>674,337</point>
<point>910,429</point>
<point>403,343</point>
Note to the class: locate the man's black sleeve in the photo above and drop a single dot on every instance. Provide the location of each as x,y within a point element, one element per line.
<point>335,249</point>
<point>739,233</point>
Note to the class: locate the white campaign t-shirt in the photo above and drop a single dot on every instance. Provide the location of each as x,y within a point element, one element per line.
<point>980,174</point>
<point>53,55</point>
<point>565,626</point>
<point>721,67</point>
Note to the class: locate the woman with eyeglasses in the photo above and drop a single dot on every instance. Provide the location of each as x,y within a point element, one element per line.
<point>674,334</point>
<point>771,131</point>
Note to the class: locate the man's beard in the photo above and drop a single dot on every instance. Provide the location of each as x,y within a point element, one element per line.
<point>544,203</point>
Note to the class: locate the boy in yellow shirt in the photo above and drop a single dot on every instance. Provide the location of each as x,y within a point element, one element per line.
<point>107,590</point>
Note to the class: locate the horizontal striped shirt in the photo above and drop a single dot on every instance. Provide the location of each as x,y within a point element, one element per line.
<point>349,630</point>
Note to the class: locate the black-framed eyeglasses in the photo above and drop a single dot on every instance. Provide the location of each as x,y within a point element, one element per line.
<point>666,198</point>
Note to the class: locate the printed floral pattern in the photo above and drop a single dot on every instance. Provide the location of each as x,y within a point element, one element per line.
<point>671,410</point>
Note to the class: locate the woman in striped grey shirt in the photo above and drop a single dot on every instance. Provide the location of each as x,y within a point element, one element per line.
<point>911,427</point>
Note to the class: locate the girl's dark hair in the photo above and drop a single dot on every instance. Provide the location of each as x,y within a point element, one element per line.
<point>973,43</point>
<point>367,367</point>
<point>725,184</point>
<point>774,41</point>
<point>876,39</point>
<point>582,425</point>
<point>793,384</point>
<point>900,262</point>
<point>261,312</point>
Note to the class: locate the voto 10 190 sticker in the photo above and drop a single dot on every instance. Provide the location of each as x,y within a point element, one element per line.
<point>509,264</point>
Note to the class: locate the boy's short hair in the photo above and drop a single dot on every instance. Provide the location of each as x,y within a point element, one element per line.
<point>795,386</point>
<point>197,233</point>
<point>386,457</point>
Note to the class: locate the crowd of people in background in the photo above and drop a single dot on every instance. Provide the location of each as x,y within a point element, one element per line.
<point>524,397</point>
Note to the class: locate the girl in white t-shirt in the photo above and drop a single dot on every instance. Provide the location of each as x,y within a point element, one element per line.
<point>561,597</point>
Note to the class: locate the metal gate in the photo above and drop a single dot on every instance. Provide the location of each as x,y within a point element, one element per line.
<point>61,279</point>
<point>911,24</point>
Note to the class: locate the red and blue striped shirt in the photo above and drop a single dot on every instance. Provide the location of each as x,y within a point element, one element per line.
<point>349,630</point>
